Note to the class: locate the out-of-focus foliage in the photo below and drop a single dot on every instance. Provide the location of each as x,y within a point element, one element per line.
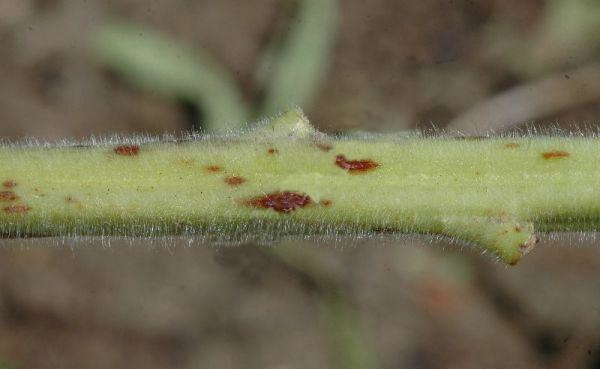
<point>290,70</point>
<point>567,33</point>
<point>293,69</point>
<point>574,27</point>
<point>351,347</point>
<point>158,64</point>
<point>6,365</point>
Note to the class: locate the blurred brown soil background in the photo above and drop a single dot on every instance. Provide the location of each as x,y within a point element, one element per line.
<point>397,65</point>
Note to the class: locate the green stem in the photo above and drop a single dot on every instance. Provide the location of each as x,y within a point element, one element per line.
<point>285,178</point>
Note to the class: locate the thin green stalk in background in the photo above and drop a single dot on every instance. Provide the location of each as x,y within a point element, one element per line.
<point>292,71</point>
<point>285,178</point>
<point>153,62</point>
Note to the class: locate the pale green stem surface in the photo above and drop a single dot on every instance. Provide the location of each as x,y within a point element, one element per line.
<point>489,192</point>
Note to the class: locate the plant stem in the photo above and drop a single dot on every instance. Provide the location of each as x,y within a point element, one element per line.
<point>284,178</point>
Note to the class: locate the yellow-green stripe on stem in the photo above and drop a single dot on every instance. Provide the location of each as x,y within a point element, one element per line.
<point>284,178</point>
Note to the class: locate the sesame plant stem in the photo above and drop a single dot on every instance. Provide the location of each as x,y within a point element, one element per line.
<point>286,179</point>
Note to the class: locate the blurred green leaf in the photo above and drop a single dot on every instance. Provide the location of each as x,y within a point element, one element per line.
<point>293,70</point>
<point>5,364</point>
<point>567,34</point>
<point>155,63</point>
<point>348,339</point>
<point>574,22</point>
<point>351,346</point>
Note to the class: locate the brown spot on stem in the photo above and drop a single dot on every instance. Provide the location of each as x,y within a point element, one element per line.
<point>355,165</point>
<point>17,209</point>
<point>282,202</point>
<point>6,196</point>
<point>511,145</point>
<point>127,150</point>
<point>555,154</point>
<point>326,203</point>
<point>214,169</point>
<point>324,146</point>
<point>273,151</point>
<point>234,180</point>
<point>9,183</point>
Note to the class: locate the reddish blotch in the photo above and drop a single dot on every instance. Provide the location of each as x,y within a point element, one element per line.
<point>9,183</point>
<point>214,168</point>
<point>273,151</point>
<point>355,165</point>
<point>511,145</point>
<point>282,202</point>
<point>555,154</point>
<point>127,150</point>
<point>17,209</point>
<point>234,180</point>
<point>8,196</point>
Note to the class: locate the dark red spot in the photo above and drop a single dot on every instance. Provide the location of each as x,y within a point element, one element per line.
<point>17,209</point>
<point>273,151</point>
<point>214,168</point>
<point>127,150</point>
<point>234,180</point>
<point>9,183</point>
<point>355,165</point>
<point>70,200</point>
<point>555,154</point>
<point>283,202</point>
<point>8,196</point>
<point>511,145</point>
<point>324,146</point>
<point>326,203</point>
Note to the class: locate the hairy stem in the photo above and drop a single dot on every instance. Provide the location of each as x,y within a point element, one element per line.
<point>284,178</point>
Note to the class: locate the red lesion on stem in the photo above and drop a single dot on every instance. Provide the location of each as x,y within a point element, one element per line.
<point>10,183</point>
<point>127,150</point>
<point>355,165</point>
<point>282,202</point>
<point>273,151</point>
<point>511,145</point>
<point>17,209</point>
<point>213,168</point>
<point>555,154</point>
<point>234,180</point>
<point>6,196</point>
